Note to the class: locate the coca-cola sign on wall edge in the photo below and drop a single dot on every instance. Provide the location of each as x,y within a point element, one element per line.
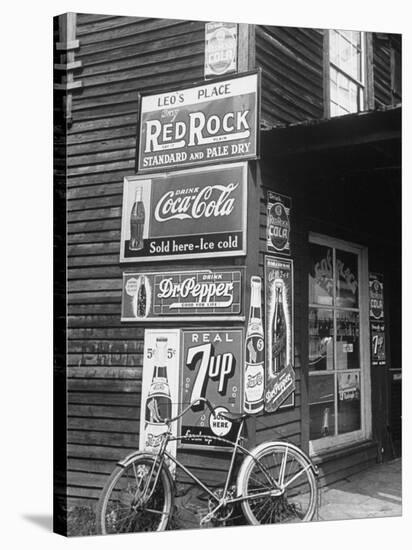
<point>196,294</point>
<point>207,123</point>
<point>198,213</point>
<point>280,374</point>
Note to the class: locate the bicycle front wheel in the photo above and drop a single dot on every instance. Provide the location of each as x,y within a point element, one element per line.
<point>278,465</point>
<point>135,499</point>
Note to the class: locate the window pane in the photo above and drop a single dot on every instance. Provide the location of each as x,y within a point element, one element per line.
<point>343,92</point>
<point>347,340</point>
<point>346,55</point>
<point>334,47</point>
<point>320,339</point>
<point>353,97</point>
<point>322,405</point>
<point>347,282</point>
<point>349,411</point>
<point>345,52</point>
<point>321,275</point>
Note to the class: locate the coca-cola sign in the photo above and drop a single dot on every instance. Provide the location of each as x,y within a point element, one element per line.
<point>202,124</point>
<point>196,295</point>
<point>280,374</point>
<point>196,213</point>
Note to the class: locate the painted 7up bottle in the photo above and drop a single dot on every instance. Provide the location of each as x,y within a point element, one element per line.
<point>158,402</point>
<point>254,352</point>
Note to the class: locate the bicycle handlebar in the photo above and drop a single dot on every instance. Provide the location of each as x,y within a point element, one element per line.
<point>192,404</point>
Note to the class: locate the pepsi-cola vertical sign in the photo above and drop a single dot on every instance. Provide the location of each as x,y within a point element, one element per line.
<point>220,48</point>
<point>278,223</point>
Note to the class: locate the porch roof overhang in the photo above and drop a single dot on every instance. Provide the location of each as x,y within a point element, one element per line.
<point>349,132</point>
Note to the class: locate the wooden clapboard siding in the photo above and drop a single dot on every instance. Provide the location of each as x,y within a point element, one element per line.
<point>382,71</point>
<point>335,466</point>
<point>120,57</point>
<point>59,299</point>
<point>385,47</point>
<point>292,73</point>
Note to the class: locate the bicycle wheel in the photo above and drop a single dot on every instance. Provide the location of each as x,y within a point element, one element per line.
<point>292,472</point>
<point>131,503</point>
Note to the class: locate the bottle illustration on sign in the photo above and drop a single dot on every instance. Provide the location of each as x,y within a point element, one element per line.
<point>141,298</point>
<point>279,331</point>
<point>254,352</point>
<point>137,219</point>
<point>158,402</point>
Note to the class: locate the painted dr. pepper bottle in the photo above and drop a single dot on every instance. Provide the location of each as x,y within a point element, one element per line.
<point>137,219</point>
<point>254,352</point>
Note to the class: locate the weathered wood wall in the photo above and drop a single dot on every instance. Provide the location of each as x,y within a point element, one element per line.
<point>386,47</point>
<point>120,56</point>
<point>292,73</point>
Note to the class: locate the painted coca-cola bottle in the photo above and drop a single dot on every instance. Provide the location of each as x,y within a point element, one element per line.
<point>141,298</point>
<point>137,219</point>
<point>158,402</point>
<point>254,352</point>
<point>279,332</point>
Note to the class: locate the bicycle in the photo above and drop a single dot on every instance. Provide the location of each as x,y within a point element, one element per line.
<point>276,483</point>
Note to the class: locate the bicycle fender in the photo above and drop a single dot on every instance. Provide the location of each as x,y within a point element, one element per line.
<point>262,446</point>
<point>129,458</point>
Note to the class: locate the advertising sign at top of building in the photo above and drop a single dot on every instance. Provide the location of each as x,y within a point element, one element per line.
<point>209,123</point>
<point>220,49</point>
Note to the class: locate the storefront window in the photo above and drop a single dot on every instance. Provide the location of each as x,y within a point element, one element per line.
<point>335,373</point>
<point>321,275</point>
<point>349,417</point>
<point>347,281</point>
<point>322,405</point>
<point>320,339</point>
<point>347,340</point>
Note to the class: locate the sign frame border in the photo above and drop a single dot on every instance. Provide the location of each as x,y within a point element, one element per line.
<point>292,404</point>
<point>197,255</point>
<point>191,318</point>
<point>191,446</point>
<point>194,84</point>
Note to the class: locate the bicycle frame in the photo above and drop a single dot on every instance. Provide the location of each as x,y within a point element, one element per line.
<point>237,447</point>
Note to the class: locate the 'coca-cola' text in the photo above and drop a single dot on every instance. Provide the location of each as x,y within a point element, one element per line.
<point>211,201</point>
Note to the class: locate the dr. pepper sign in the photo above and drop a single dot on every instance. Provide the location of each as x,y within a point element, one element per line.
<point>203,124</point>
<point>198,213</point>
